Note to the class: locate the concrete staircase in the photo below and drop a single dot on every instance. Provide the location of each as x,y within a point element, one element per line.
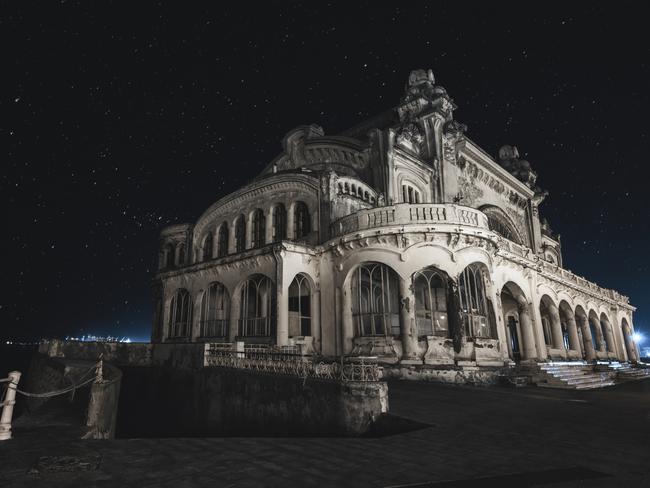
<point>628,372</point>
<point>573,376</point>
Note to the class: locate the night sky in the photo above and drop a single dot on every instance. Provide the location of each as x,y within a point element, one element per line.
<point>118,119</point>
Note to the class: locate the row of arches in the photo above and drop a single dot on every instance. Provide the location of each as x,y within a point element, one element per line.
<point>250,314</point>
<point>254,235</point>
<point>566,331</point>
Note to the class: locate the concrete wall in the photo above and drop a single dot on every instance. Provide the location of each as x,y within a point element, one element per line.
<point>161,401</point>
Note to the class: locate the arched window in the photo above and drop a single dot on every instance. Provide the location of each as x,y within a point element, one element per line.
<point>180,314</point>
<point>279,223</point>
<point>208,244</point>
<point>410,194</point>
<point>181,254</point>
<point>256,317</point>
<point>375,303</point>
<point>258,228</point>
<point>215,308</point>
<point>499,222</point>
<point>240,234</point>
<point>169,255</point>
<point>473,302</point>
<point>595,337</point>
<point>301,220</point>
<point>222,240</point>
<point>430,287</point>
<point>299,307</point>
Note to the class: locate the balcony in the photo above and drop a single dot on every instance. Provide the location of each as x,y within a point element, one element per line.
<point>410,214</point>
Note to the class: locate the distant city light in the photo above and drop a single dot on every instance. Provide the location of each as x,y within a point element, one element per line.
<point>94,338</point>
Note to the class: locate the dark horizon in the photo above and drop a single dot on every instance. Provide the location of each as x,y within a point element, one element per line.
<point>118,122</point>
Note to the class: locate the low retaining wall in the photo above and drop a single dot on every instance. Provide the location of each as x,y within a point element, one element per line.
<point>162,401</point>
<point>460,375</point>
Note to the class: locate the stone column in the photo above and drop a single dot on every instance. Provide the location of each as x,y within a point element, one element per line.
<point>235,304</point>
<point>556,329</point>
<point>315,320</point>
<point>268,228</point>
<point>282,326</point>
<point>408,329</point>
<point>590,351</point>
<point>600,339</point>
<point>347,329</point>
<point>526,323</point>
<point>572,328</point>
<point>290,229</point>
<point>249,232</point>
<point>609,336</point>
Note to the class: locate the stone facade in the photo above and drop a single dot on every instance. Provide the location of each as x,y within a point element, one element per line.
<point>399,238</point>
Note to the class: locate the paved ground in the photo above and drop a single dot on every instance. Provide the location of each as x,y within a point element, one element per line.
<point>473,432</point>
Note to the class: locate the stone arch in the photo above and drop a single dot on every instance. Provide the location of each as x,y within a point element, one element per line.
<point>596,330</point>
<point>374,291</point>
<point>215,311</point>
<point>302,308</point>
<point>628,337</point>
<point>255,300</point>
<point>570,333</point>
<point>501,223</point>
<point>608,332</point>
<point>517,315</point>
<point>550,316</point>
<point>432,301</point>
<point>476,308</point>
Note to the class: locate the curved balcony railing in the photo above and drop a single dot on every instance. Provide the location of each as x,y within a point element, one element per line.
<point>406,213</point>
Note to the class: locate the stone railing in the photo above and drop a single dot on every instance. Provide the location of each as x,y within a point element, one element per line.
<point>558,272</point>
<point>405,214</point>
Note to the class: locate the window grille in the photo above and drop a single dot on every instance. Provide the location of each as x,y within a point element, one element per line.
<point>473,303</point>
<point>375,303</point>
<point>257,237</point>
<point>279,223</point>
<point>257,317</point>
<point>208,244</point>
<point>301,220</point>
<point>215,308</point>
<point>240,234</point>
<point>430,289</point>
<point>222,242</point>
<point>180,314</point>
<point>299,307</point>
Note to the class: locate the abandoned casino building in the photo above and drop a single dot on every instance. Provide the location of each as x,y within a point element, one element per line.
<point>399,239</point>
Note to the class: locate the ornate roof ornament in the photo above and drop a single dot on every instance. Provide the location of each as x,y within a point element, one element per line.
<point>423,95</point>
<point>519,168</point>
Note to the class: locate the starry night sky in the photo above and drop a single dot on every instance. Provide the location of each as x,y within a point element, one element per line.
<point>117,121</point>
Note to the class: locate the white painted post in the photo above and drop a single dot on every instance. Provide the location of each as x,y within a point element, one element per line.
<point>8,406</point>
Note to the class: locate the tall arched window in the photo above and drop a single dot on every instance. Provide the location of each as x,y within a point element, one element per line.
<point>222,240</point>
<point>279,223</point>
<point>375,303</point>
<point>256,317</point>
<point>215,308</point>
<point>208,245</point>
<point>301,220</point>
<point>430,286</point>
<point>240,234</point>
<point>299,307</point>
<point>258,228</point>
<point>181,254</point>
<point>473,302</point>
<point>180,314</point>
<point>169,255</point>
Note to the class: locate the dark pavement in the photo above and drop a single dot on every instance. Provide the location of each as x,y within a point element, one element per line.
<point>510,437</point>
